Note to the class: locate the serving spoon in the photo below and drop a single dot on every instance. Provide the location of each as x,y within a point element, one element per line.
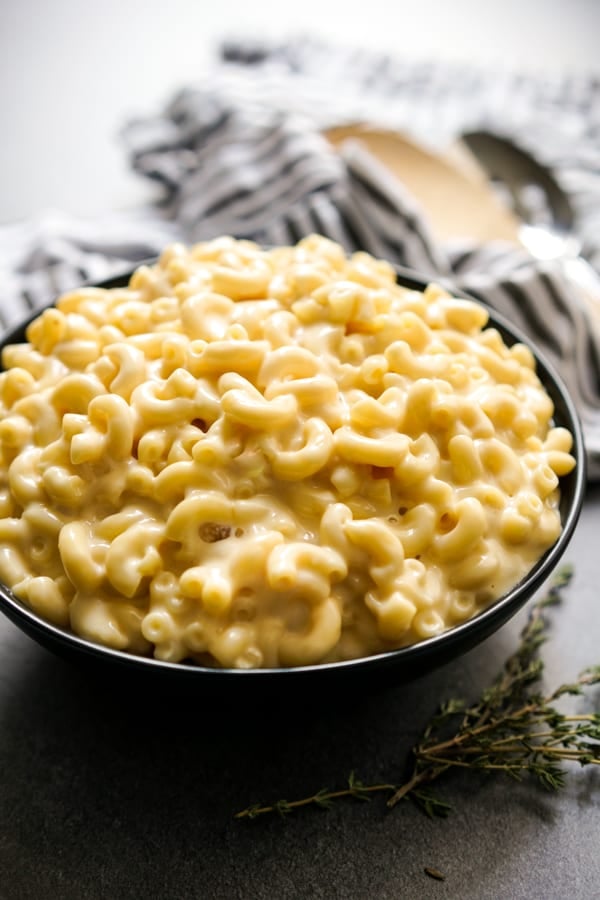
<point>543,207</point>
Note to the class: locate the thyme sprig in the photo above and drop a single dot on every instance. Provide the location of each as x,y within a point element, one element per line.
<point>514,729</point>
<point>323,798</point>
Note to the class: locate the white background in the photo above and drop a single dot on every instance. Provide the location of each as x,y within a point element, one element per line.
<point>71,71</point>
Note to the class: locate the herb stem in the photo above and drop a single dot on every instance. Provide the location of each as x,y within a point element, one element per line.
<point>419,778</point>
<point>463,736</point>
<point>322,798</point>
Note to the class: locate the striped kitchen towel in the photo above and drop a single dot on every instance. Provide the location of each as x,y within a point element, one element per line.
<point>242,153</point>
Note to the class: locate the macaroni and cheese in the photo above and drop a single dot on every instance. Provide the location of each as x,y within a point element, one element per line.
<point>266,458</point>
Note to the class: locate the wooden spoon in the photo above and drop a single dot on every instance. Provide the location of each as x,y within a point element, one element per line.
<point>452,191</point>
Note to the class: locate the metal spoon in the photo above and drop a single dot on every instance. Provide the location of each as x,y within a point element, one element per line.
<point>543,207</point>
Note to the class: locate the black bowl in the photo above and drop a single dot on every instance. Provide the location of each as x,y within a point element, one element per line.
<point>384,668</point>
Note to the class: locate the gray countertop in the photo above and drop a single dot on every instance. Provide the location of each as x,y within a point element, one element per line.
<point>113,793</point>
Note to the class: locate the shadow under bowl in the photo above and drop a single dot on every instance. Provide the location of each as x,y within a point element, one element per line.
<point>392,667</point>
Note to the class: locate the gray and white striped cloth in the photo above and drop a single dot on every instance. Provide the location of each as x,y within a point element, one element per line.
<point>242,153</point>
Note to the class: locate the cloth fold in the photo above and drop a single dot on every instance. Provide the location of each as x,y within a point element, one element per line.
<point>243,154</point>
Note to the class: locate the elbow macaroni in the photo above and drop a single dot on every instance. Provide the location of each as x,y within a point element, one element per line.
<point>251,458</point>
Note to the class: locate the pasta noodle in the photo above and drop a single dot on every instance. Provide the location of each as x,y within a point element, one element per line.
<point>263,458</point>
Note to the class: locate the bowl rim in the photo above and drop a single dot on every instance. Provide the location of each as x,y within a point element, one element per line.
<point>422,655</point>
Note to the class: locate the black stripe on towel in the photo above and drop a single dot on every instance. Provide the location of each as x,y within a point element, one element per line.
<point>536,323</point>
